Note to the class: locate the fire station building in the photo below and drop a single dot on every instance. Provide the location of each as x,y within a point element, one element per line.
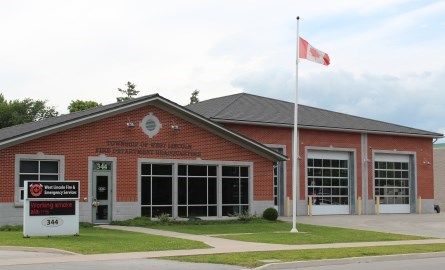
<point>150,156</point>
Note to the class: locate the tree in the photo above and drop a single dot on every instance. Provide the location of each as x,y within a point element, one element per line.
<point>129,93</point>
<point>15,112</point>
<point>194,98</point>
<point>80,105</point>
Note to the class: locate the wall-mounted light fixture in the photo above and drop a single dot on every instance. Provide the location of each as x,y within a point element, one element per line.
<point>426,162</point>
<point>130,124</point>
<point>175,126</point>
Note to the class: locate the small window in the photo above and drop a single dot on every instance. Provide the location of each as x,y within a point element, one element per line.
<point>37,170</point>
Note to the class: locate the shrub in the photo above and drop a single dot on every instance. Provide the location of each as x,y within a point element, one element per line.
<point>246,216</point>
<point>85,225</point>
<point>164,218</point>
<point>137,221</point>
<point>11,228</point>
<point>270,214</point>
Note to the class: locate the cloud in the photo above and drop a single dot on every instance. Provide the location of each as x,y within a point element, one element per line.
<point>414,100</point>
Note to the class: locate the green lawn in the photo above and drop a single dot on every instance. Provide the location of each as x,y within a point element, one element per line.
<point>254,259</point>
<point>209,227</point>
<point>97,240</point>
<point>312,234</point>
<point>277,232</point>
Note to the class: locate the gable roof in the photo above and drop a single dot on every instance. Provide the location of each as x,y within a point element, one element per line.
<point>251,109</point>
<point>21,133</point>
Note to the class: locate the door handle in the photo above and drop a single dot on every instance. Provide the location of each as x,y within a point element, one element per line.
<point>95,202</point>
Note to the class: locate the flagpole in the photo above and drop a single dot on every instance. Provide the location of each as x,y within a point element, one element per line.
<point>295,148</point>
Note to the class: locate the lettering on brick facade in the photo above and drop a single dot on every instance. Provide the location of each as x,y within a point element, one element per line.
<point>146,148</point>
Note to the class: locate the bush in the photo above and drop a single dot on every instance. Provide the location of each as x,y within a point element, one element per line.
<point>270,214</point>
<point>137,221</point>
<point>85,225</point>
<point>11,228</point>
<point>164,218</point>
<point>246,216</point>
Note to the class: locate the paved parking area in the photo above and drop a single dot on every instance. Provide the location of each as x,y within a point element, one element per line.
<point>429,225</point>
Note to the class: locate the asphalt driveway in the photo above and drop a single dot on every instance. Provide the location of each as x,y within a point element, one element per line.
<point>429,225</point>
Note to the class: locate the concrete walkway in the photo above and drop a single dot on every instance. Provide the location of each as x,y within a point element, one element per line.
<point>219,246</point>
<point>428,225</point>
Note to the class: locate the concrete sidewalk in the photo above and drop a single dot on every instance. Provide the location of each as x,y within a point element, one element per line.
<point>219,246</point>
<point>427,225</point>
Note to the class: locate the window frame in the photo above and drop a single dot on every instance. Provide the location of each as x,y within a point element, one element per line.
<point>34,157</point>
<point>188,176</point>
<point>218,163</point>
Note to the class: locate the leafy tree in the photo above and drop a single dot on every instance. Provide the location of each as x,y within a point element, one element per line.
<point>129,93</point>
<point>80,105</point>
<point>194,98</point>
<point>15,112</point>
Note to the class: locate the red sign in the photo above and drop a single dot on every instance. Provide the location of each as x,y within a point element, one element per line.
<point>52,208</point>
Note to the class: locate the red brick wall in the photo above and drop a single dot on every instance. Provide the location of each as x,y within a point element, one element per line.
<point>318,138</point>
<point>76,144</point>
<point>332,139</point>
<point>424,152</point>
<point>270,135</point>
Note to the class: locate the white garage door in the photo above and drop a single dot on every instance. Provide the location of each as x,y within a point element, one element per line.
<point>391,182</point>
<point>328,182</point>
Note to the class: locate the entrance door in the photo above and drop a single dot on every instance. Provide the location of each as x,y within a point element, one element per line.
<point>102,197</point>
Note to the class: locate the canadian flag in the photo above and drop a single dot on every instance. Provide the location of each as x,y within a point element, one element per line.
<point>312,54</point>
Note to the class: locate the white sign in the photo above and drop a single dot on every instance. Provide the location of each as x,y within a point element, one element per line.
<point>51,208</point>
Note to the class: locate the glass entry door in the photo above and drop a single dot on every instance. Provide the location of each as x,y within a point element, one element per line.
<point>102,197</point>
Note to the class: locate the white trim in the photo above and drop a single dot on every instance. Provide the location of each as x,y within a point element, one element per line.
<point>157,127</point>
<point>39,156</point>
<point>320,154</point>
<point>391,157</point>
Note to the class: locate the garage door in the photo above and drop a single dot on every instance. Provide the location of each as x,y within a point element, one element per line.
<point>328,175</point>
<point>392,182</point>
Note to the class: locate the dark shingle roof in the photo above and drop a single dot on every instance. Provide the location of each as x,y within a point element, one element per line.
<point>248,108</point>
<point>21,133</point>
<point>23,129</point>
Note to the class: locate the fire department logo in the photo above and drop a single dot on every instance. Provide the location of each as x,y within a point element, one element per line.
<point>36,189</point>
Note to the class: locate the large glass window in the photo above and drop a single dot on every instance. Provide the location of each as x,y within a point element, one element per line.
<point>37,170</point>
<point>156,189</point>
<point>391,182</point>
<point>197,193</point>
<point>328,181</point>
<point>235,190</point>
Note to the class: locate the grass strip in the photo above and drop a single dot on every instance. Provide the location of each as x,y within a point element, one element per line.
<point>313,234</point>
<point>94,240</point>
<point>255,259</point>
<point>264,231</point>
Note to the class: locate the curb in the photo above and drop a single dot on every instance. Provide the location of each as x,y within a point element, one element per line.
<point>364,259</point>
<point>38,249</point>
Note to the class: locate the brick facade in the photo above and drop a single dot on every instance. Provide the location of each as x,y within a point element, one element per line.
<point>98,139</point>
<point>78,143</point>
<point>419,147</point>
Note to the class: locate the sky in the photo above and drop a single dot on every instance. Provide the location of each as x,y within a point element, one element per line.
<point>387,58</point>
